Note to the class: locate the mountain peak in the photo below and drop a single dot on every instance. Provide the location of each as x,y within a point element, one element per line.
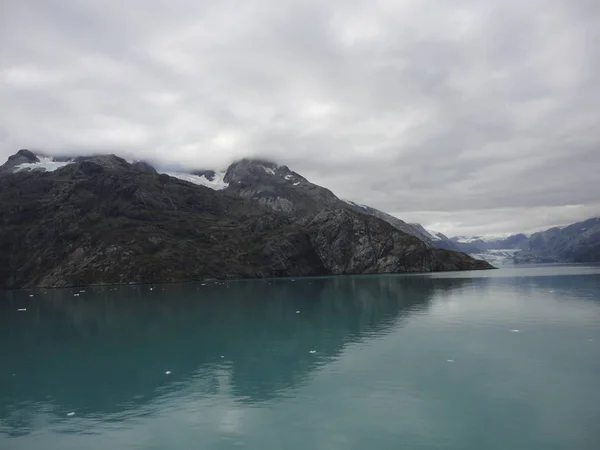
<point>261,171</point>
<point>26,160</point>
<point>23,156</point>
<point>27,154</point>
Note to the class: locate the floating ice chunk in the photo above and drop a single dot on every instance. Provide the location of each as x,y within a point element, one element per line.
<point>31,295</point>
<point>82,290</point>
<point>22,309</point>
<point>222,357</point>
<point>312,352</point>
<point>168,372</point>
<point>450,360</point>
<point>297,312</point>
<point>71,414</point>
<point>75,295</point>
<point>203,284</point>
<point>514,331</point>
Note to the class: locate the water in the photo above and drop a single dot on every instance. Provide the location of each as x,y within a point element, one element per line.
<point>508,359</point>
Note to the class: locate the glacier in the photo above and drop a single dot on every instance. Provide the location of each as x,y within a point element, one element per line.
<point>46,163</point>
<point>217,184</point>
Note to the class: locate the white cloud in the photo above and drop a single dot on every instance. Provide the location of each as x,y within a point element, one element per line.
<point>424,108</point>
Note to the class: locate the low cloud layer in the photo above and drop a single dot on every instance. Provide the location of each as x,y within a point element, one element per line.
<point>472,116</point>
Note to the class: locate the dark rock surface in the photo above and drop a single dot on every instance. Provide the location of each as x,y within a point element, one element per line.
<point>278,188</point>
<point>143,167</point>
<point>416,231</point>
<point>448,260</point>
<point>347,242</point>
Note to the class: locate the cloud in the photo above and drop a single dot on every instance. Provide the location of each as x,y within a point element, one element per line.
<point>421,108</point>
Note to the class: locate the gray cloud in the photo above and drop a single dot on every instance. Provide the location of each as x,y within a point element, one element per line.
<point>473,116</point>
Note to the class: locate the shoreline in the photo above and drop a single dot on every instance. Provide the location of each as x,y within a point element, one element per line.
<point>215,281</point>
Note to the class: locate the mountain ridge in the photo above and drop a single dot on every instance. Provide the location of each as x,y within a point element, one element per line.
<point>577,242</point>
<point>278,188</point>
<point>103,219</point>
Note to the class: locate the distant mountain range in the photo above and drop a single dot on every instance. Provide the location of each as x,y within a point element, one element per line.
<point>578,242</point>
<point>102,219</point>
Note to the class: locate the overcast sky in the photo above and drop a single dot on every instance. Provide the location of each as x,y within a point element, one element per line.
<point>469,116</point>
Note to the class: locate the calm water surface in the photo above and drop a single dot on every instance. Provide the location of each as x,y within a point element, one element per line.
<point>507,359</point>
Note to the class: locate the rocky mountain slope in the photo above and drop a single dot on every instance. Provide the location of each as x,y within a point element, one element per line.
<point>579,242</point>
<point>414,229</point>
<point>102,219</point>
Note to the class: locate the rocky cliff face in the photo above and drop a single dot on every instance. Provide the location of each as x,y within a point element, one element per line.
<point>358,243</point>
<point>104,220</point>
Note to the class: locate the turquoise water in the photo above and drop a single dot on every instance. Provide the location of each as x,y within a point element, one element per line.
<point>506,359</point>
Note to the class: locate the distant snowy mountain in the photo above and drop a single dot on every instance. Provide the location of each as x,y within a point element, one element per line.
<point>497,258</point>
<point>578,242</point>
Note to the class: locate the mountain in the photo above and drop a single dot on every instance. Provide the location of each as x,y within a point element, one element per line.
<point>483,243</point>
<point>102,219</point>
<point>439,240</point>
<point>578,242</point>
<point>414,229</point>
<point>281,189</point>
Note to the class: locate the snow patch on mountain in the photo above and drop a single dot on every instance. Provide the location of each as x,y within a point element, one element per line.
<point>486,238</point>
<point>358,205</point>
<point>46,163</point>
<point>217,183</point>
<point>268,170</point>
